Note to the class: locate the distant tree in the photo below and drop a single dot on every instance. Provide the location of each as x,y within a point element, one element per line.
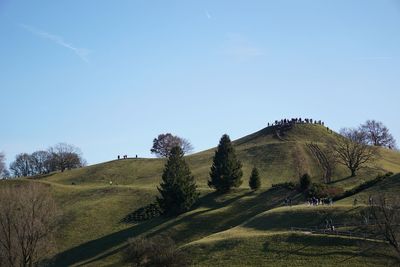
<point>65,156</point>
<point>305,182</point>
<point>378,134</point>
<point>3,168</point>
<point>352,150</point>
<point>41,162</point>
<point>226,170</point>
<point>385,215</point>
<point>22,165</point>
<point>163,144</point>
<point>254,181</point>
<point>326,159</point>
<point>178,188</point>
<point>28,216</point>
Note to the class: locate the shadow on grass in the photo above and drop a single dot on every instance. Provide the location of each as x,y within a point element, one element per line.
<point>219,213</point>
<point>95,247</point>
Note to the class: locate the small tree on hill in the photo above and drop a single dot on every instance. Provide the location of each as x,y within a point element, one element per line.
<point>353,151</point>
<point>226,170</point>
<point>178,188</point>
<point>163,144</point>
<point>305,182</point>
<point>254,181</point>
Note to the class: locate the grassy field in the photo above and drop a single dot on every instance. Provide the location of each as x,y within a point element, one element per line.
<point>242,228</point>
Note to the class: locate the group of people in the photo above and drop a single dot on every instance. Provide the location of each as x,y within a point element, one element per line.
<point>288,201</point>
<point>329,225</point>
<point>319,201</point>
<point>296,121</point>
<point>125,156</point>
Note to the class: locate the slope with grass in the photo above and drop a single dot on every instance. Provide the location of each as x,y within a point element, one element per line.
<point>242,228</point>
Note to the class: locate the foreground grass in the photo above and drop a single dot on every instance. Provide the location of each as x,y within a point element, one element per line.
<point>288,249</point>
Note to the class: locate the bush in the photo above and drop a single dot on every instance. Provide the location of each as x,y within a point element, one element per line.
<point>154,251</point>
<point>143,214</point>
<point>305,182</point>
<point>324,191</point>
<point>254,181</point>
<point>287,185</point>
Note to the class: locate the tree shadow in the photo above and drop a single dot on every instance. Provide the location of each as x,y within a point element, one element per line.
<point>95,247</point>
<point>341,180</point>
<point>215,215</point>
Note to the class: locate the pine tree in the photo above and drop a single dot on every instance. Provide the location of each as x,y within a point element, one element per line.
<point>305,182</point>
<point>178,188</point>
<point>226,170</point>
<point>254,181</point>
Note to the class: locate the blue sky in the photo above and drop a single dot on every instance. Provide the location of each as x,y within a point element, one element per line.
<point>108,76</point>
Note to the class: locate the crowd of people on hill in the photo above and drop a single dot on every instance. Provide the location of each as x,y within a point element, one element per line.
<point>319,201</point>
<point>295,121</point>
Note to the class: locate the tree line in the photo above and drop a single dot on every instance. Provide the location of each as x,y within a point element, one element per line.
<point>59,157</point>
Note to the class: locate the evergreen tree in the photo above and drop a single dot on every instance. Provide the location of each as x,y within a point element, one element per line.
<point>178,188</point>
<point>226,170</point>
<point>305,182</point>
<point>254,181</point>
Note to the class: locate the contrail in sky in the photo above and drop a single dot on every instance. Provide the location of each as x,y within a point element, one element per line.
<point>82,53</point>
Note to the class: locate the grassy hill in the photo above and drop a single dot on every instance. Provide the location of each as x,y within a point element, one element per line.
<point>274,157</point>
<point>242,228</point>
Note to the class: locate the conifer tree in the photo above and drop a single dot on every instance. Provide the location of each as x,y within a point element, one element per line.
<point>226,170</point>
<point>254,181</point>
<point>178,188</point>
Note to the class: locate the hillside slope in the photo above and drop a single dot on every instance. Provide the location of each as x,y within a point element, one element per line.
<point>276,158</point>
<point>242,228</point>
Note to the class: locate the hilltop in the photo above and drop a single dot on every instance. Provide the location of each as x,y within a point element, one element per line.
<point>242,228</point>
<point>275,157</point>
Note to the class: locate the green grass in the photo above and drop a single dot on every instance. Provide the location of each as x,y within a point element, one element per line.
<point>285,249</point>
<point>242,228</point>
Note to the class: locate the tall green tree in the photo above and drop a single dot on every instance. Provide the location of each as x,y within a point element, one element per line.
<point>178,188</point>
<point>226,170</point>
<point>254,181</point>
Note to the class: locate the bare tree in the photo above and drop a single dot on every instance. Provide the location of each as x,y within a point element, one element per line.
<point>66,156</point>
<point>22,165</point>
<point>352,150</point>
<point>40,162</point>
<point>28,217</point>
<point>378,134</point>
<point>163,144</point>
<point>385,217</point>
<point>3,169</point>
<point>326,160</point>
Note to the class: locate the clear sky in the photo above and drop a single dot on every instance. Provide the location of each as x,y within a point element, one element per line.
<point>108,76</point>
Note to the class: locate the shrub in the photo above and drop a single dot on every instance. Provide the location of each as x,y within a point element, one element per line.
<point>287,185</point>
<point>143,214</point>
<point>254,181</point>
<point>324,191</point>
<point>154,251</point>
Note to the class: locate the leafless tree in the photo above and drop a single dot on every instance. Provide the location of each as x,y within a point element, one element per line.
<point>22,165</point>
<point>326,160</point>
<point>378,134</point>
<point>352,150</point>
<point>40,162</point>
<point>66,156</point>
<point>3,169</point>
<point>28,217</point>
<point>385,219</point>
<point>163,144</point>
